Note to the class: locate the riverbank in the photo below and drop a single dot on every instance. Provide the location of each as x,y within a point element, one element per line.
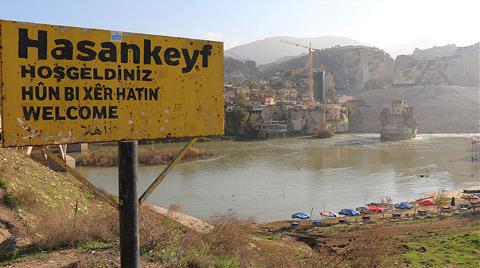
<point>438,204</point>
<point>55,222</point>
<point>423,242</point>
<point>48,219</point>
<point>283,176</point>
<point>440,234</point>
<point>146,156</point>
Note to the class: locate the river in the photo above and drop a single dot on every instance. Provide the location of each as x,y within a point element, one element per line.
<point>272,179</point>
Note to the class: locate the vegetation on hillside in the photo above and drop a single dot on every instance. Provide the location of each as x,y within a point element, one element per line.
<point>60,214</point>
<point>146,156</point>
<point>64,224</point>
<point>239,123</point>
<point>447,248</point>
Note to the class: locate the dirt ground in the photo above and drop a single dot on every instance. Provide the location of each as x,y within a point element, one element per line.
<point>73,258</point>
<point>402,231</point>
<point>10,223</point>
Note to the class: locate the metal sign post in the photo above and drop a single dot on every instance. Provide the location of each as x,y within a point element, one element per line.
<point>128,207</point>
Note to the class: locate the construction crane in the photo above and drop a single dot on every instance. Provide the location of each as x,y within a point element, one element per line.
<point>309,63</point>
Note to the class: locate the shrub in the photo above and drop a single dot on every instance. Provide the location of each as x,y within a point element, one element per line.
<point>371,249</point>
<point>59,227</point>
<point>323,133</point>
<point>146,156</point>
<point>163,240</point>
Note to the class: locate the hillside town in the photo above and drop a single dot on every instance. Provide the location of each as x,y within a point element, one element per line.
<point>289,109</point>
<point>347,88</point>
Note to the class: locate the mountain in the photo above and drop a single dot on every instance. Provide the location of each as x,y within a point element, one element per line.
<point>270,49</point>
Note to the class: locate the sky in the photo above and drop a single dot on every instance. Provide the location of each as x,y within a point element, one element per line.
<point>385,24</point>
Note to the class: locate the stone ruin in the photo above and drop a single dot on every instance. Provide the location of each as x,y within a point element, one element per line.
<point>398,122</point>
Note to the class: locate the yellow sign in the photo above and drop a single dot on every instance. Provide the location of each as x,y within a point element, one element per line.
<point>67,85</point>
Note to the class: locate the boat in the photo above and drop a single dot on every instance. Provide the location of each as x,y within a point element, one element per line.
<point>301,216</point>
<point>426,203</point>
<point>349,212</point>
<point>403,205</point>
<point>472,190</point>
<point>328,214</point>
<point>375,209</point>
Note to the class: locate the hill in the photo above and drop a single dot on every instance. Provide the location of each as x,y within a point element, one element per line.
<point>270,49</point>
<point>353,67</point>
<point>238,70</point>
<point>48,219</point>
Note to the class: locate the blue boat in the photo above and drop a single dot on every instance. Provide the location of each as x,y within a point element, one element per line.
<point>301,216</point>
<point>349,212</point>
<point>403,205</point>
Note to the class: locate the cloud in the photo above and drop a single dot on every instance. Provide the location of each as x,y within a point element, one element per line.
<point>230,44</point>
<point>217,37</point>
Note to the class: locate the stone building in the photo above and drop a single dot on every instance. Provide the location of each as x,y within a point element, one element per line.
<point>398,122</point>
<point>306,118</point>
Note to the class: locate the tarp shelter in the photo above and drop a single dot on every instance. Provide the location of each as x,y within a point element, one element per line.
<point>375,209</point>
<point>328,214</point>
<point>426,203</point>
<point>349,212</point>
<point>403,205</point>
<point>301,216</point>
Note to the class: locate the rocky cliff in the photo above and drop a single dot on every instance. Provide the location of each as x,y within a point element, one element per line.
<point>434,52</point>
<point>354,68</point>
<point>422,68</point>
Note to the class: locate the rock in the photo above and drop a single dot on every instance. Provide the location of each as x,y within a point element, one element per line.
<point>75,264</point>
<point>8,247</point>
<point>325,250</point>
<point>403,248</point>
<point>434,52</point>
<point>422,249</point>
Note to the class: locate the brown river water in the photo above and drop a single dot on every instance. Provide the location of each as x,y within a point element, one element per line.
<point>272,179</point>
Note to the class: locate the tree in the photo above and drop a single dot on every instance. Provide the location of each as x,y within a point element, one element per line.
<point>240,124</point>
<point>441,199</point>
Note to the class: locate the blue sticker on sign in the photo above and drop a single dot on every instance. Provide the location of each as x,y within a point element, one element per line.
<point>116,36</point>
